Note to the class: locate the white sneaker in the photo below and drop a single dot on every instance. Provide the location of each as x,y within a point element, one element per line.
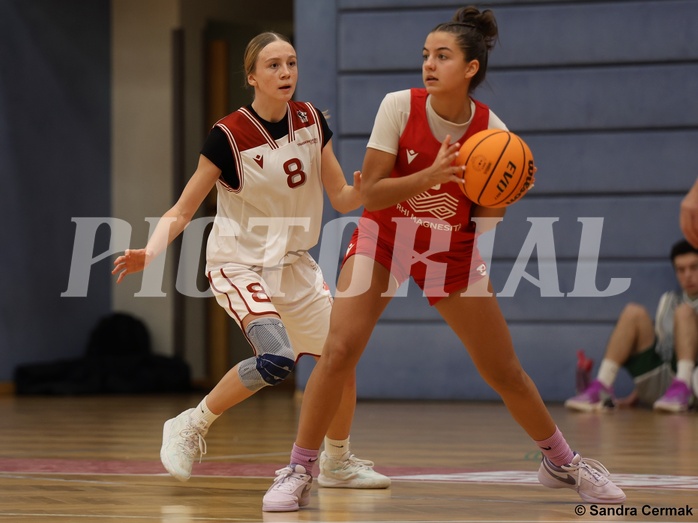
<point>290,490</point>
<point>587,476</point>
<point>182,441</point>
<point>350,472</point>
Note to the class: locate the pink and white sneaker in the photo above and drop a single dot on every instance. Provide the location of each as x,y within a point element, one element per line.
<point>290,490</point>
<point>587,476</point>
<point>677,398</point>
<point>596,397</point>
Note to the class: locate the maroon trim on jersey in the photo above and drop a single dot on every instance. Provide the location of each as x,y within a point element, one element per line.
<point>245,131</point>
<point>226,185</point>
<point>237,158</point>
<point>240,294</point>
<point>262,130</point>
<point>291,131</point>
<point>231,310</point>
<point>301,115</point>
<point>316,117</point>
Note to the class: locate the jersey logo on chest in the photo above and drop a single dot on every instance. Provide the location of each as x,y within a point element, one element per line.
<point>442,205</point>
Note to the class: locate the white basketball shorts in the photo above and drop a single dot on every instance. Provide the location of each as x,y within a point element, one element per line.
<point>297,293</point>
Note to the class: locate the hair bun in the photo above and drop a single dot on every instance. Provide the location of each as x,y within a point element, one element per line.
<point>483,22</point>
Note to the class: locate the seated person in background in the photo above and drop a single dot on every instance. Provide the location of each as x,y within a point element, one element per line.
<point>661,357</point>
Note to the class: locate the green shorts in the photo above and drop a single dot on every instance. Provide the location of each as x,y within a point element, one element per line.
<point>651,374</point>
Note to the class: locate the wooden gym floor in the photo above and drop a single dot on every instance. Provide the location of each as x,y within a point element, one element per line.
<point>96,459</point>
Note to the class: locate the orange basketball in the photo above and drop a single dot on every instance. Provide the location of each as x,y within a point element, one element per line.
<point>498,168</point>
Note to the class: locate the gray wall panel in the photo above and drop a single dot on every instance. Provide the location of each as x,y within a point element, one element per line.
<point>54,166</point>
<point>542,35</point>
<point>596,99</point>
<point>595,163</point>
<point>427,361</point>
<point>624,162</point>
<point>648,281</point>
<point>633,226</point>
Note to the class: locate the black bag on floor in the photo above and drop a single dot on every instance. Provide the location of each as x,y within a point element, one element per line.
<point>118,360</point>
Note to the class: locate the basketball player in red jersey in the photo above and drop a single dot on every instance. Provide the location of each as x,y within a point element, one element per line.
<point>269,162</point>
<point>417,223</point>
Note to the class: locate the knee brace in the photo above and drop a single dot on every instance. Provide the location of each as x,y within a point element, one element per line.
<point>275,358</point>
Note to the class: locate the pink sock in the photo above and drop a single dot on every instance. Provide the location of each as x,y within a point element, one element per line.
<point>556,449</point>
<point>305,457</point>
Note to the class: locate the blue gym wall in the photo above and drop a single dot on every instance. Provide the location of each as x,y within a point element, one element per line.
<point>605,95</point>
<point>54,165</point>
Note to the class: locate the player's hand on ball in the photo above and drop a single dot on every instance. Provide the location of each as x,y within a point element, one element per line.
<point>133,260</point>
<point>443,169</point>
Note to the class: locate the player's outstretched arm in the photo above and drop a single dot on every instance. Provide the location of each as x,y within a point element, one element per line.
<point>172,222</point>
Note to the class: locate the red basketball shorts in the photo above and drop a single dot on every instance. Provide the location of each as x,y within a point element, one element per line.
<point>439,271</point>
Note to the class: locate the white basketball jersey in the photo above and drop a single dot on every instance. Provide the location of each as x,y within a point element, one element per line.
<point>275,214</point>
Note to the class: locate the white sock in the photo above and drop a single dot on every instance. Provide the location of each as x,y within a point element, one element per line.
<point>608,370</point>
<point>336,448</point>
<point>202,412</point>
<point>684,371</point>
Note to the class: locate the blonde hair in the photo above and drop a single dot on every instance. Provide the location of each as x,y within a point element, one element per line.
<point>254,47</point>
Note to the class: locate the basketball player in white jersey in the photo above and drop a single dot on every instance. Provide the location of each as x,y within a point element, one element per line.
<point>414,208</point>
<point>269,162</point>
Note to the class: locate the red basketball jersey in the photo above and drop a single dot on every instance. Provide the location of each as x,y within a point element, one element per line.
<point>443,209</point>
